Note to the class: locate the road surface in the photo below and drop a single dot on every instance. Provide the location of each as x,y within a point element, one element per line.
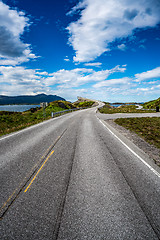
<point>76,178</point>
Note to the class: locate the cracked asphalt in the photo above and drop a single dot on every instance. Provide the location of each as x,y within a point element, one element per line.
<point>71,178</point>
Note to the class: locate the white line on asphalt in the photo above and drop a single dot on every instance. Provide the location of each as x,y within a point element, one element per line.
<point>28,128</point>
<point>152,169</point>
<point>36,125</point>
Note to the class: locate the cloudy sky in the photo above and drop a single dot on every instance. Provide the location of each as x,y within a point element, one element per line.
<point>100,49</point>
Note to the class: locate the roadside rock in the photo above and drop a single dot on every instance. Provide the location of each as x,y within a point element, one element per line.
<point>62,105</point>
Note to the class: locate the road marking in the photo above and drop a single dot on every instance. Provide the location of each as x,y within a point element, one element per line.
<point>25,129</point>
<point>27,178</point>
<point>37,125</point>
<point>141,159</point>
<point>33,126</point>
<point>21,186</point>
<point>38,171</point>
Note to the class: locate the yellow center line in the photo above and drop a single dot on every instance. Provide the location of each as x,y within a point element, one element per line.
<point>22,184</point>
<point>38,171</point>
<point>7,200</point>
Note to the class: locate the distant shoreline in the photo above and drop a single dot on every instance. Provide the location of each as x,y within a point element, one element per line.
<point>17,107</point>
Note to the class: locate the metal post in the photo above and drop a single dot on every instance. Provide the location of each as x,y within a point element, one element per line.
<point>157,108</point>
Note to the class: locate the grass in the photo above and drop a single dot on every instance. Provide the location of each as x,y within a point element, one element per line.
<point>14,121</point>
<point>84,104</point>
<point>10,121</point>
<point>152,104</point>
<point>147,128</point>
<point>122,109</point>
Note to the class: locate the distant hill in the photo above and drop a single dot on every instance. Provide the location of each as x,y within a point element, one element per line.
<point>152,104</point>
<point>28,99</point>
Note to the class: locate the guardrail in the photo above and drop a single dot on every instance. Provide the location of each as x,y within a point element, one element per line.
<point>150,109</point>
<point>54,114</point>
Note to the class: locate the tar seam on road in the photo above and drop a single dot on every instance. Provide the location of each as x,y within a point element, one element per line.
<point>141,159</point>
<point>26,179</point>
<point>38,172</point>
<point>63,200</point>
<point>153,226</point>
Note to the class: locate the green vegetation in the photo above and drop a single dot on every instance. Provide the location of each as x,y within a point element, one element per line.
<point>58,106</point>
<point>14,121</point>
<point>84,104</point>
<point>107,108</point>
<point>147,128</point>
<point>152,104</point>
<point>107,103</point>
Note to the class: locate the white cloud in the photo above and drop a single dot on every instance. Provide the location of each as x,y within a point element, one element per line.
<point>132,81</point>
<point>103,21</point>
<point>110,82</point>
<point>130,88</point>
<point>70,94</point>
<point>16,80</point>
<point>86,82</point>
<point>96,64</point>
<point>151,74</point>
<point>152,82</point>
<point>42,73</point>
<point>13,61</point>
<point>122,47</point>
<point>67,60</point>
<point>19,80</point>
<point>80,5</point>
<point>143,92</point>
<point>80,76</point>
<point>12,25</point>
<point>142,46</point>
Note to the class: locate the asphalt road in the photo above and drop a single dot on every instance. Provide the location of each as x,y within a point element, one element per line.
<point>75,177</point>
<point>127,115</point>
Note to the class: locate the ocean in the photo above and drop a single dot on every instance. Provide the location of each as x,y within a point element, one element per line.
<point>17,108</point>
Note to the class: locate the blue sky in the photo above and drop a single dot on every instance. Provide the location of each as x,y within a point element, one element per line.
<point>99,49</point>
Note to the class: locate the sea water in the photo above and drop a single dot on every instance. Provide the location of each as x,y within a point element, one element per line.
<point>17,108</point>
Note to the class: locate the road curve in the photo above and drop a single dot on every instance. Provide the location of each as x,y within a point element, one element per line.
<point>73,177</point>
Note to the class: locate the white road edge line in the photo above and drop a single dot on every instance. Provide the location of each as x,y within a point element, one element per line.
<point>34,126</point>
<point>28,128</point>
<point>141,159</point>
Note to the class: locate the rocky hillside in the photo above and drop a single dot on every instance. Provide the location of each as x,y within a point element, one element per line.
<point>152,104</point>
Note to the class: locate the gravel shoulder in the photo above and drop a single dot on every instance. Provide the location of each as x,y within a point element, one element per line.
<point>149,149</point>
